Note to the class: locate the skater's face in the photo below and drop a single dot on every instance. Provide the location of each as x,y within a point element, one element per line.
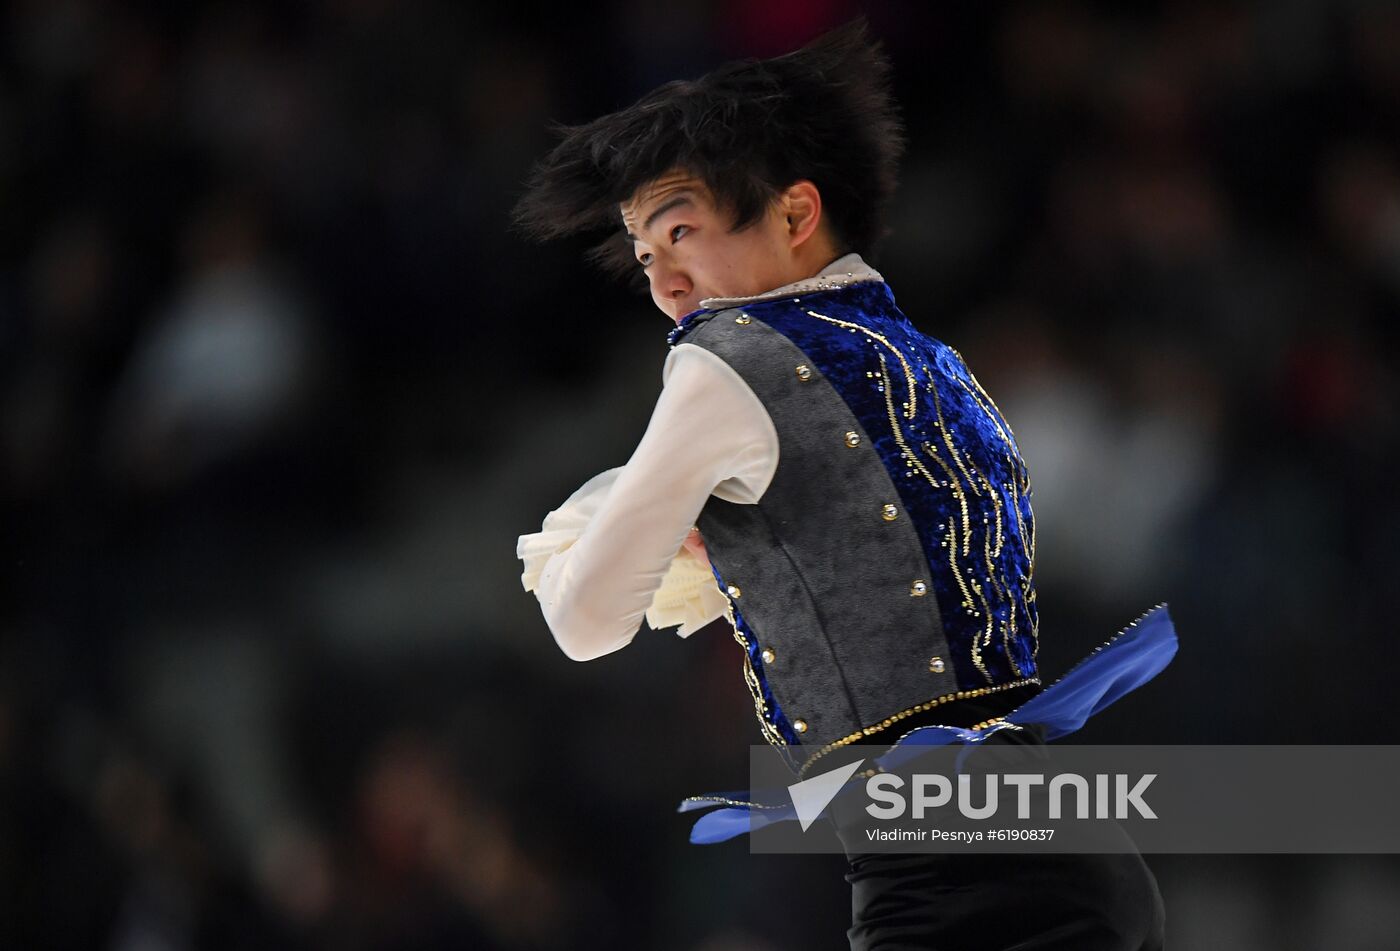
<point>685,242</point>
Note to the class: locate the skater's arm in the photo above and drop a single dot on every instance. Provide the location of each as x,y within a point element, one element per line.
<point>707,432</point>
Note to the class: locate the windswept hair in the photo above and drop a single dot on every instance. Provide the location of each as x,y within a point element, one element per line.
<point>749,129</point>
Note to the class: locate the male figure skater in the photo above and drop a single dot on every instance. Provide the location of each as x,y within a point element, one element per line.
<point>834,482</point>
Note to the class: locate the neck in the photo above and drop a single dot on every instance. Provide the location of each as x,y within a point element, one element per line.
<point>811,256</point>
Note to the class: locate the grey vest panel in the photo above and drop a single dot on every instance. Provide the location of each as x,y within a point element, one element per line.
<point>830,580</point>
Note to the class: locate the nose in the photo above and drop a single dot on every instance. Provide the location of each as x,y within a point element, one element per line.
<point>669,284</point>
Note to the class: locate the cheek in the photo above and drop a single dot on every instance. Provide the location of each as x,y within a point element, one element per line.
<point>729,259</point>
<point>751,262</point>
<point>763,240</point>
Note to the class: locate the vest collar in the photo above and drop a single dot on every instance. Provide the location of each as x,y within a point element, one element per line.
<point>847,269</point>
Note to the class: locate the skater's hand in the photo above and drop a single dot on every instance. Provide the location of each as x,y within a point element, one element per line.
<point>696,546</point>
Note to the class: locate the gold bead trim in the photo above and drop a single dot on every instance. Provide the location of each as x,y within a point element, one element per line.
<point>743,319</point>
<point>732,802</point>
<point>917,708</point>
<point>853,439</point>
<point>804,372</point>
<point>899,355</point>
<point>760,706</point>
<point>867,773</point>
<point>890,512</point>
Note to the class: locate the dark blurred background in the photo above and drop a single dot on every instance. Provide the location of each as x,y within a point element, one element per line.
<point>278,391</point>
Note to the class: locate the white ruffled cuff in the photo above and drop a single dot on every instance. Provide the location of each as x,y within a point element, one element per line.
<point>562,527</point>
<point>688,596</point>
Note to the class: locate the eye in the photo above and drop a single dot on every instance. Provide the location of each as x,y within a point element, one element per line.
<point>676,233</point>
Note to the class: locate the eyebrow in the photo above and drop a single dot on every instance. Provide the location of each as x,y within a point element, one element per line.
<point>681,199</point>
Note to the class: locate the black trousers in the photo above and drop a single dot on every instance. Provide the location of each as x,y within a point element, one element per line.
<point>951,901</point>
<point>1001,902</point>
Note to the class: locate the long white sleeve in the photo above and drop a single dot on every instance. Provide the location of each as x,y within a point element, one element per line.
<point>708,434</point>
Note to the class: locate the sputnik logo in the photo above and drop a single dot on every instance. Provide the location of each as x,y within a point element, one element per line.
<point>811,796</point>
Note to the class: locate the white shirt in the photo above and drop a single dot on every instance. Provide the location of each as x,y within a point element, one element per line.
<point>611,554</point>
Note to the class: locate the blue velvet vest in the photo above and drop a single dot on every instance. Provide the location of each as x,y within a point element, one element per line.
<point>887,569</point>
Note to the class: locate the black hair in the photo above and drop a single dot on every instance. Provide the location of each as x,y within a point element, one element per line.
<point>748,130</point>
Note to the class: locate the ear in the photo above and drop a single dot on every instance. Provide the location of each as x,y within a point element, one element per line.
<point>802,206</point>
